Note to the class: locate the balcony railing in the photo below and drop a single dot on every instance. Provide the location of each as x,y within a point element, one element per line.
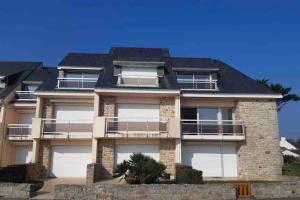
<point>198,84</point>
<point>137,81</point>
<point>76,83</point>
<point>212,127</point>
<point>25,96</point>
<point>18,131</point>
<point>53,128</point>
<point>130,127</point>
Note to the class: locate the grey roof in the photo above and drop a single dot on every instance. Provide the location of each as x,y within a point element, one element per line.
<point>84,60</point>
<point>15,73</point>
<point>230,80</point>
<point>139,54</point>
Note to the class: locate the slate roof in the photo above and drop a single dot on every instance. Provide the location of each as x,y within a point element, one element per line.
<point>230,80</point>
<point>15,73</point>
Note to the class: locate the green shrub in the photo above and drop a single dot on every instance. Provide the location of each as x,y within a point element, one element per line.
<point>140,169</point>
<point>291,166</point>
<point>188,175</point>
<point>38,184</point>
<point>13,173</point>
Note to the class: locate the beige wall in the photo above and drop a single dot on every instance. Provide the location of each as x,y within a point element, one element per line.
<point>213,102</point>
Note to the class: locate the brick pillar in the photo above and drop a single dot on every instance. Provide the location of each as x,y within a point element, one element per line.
<point>167,107</point>
<point>106,151</point>
<point>259,156</point>
<point>167,150</point>
<point>44,156</point>
<point>108,106</point>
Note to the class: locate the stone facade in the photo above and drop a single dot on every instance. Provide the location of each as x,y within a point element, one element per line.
<point>167,154</point>
<point>167,107</point>
<point>16,190</point>
<point>259,157</point>
<point>224,191</point>
<point>106,151</point>
<point>108,106</point>
<point>44,156</point>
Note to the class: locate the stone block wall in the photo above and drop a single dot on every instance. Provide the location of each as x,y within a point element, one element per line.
<point>167,149</point>
<point>47,109</point>
<point>44,156</point>
<point>107,106</point>
<point>259,157</point>
<point>16,190</point>
<point>106,155</point>
<point>167,107</point>
<point>94,173</point>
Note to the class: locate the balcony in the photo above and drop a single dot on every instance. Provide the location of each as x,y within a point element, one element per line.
<point>25,96</point>
<point>65,129</point>
<point>137,81</point>
<point>18,132</point>
<point>76,83</point>
<point>213,130</point>
<point>193,84</point>
<point>138,128</point>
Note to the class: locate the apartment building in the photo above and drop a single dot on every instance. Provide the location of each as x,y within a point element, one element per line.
<point>96,110</point>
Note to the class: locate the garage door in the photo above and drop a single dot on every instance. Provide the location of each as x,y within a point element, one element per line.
<point>215,160</point>
<point>23,154</point>
<point>70,161</point>
<point>138,112</point>
<point>123,151</point>
<point>80,113</point>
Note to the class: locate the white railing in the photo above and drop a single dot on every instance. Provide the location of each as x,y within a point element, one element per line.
<point>53,128</point>
<point>76,83</point>
<point>196,84</point>
<point>136,127</point>
<point>18,131</point>
<point>25,96</point>
<point>213,127</point>
<point>137,80</point>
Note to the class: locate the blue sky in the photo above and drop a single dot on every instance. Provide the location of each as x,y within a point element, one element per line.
<point>260,38</point>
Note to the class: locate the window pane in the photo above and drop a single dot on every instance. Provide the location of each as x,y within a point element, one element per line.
<point>30,87</point>
<point>185,76</point>
<point>189,113</point>
<point>226,113</point>
<point>208,113</point>
<point>90,76</point>
<point>202,76</point>
<point>73,75</point>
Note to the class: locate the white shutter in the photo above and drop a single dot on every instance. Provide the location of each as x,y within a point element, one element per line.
<point>138,112</point>
<point>74,113</point>
<point>26,118</point>
<point>70,161</point>
<point>23,154</point>
<point>139,71</point>
<point>229,160</point>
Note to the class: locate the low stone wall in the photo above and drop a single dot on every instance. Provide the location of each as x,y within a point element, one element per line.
<point>276,190</point>
<point>16,190</point>
<point>224,191</point>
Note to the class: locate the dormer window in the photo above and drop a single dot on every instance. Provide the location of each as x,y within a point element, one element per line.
<point>193,81</point>
<point>3,82</point>
<point>138,77</point>
<point>27,92</point>
<point>77,80</point>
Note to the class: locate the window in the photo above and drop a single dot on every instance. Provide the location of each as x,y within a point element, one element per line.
<point>78,80</point>
<point>29,87</point>
<point>197,81</point>
<point>138,76</point>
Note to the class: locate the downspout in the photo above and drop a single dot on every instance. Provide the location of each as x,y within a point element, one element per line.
<point>3,130</point>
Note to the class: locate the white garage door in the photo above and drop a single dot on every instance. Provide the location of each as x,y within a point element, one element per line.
<point>80,113</point>
<point>138,112</point>
<point>23,154</point>
<point>70,161</point>
<point>214,160</point>
<point>123,151</point>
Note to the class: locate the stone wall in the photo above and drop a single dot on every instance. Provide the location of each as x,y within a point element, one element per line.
<point>107,106</point>
<point>146,192</point>
<point>94,173</point>
<point>44,155</point>
<point>276,190</point>
<point>106,151</point>
<point>16,190</point>
<point>167,149</point>
<point>259,157</point>
<point>47,109</point>
<point>167,107</point>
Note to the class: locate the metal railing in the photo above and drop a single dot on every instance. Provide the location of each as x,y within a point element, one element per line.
<point>198,84</point>
<point>138,127</point>
<point>137,81</point>
<point>25,96</point>
<point>18,131</point>
<point>212,127</point>
<point>76,83</point>
<point>52,128</point>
